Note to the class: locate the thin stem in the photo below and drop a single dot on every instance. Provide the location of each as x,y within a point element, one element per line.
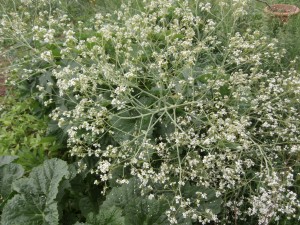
<point>266,4</point>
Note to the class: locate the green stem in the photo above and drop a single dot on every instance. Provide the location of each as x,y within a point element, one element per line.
<point>266,4</point>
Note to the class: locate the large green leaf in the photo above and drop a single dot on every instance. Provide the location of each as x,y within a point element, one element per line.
<point>8,174</point>
<point>107,216</point>
<point>138,210</point>
<point>126,128</point>
<point>87,205</point>
<point>7,159</point>
<point>36,202</point>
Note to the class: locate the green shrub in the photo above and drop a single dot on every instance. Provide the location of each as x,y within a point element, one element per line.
<point>45,197</point>
<point>24,133</point>
<point>183,97</point>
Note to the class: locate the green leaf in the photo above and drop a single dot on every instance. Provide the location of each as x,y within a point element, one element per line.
<point>121,196</point>
<point>123,128</point>
<point>8,174</point>
<point>107,216</point>
<point>44,80</point>
<point>86,206</point>
<point>181,220</point>
<point>7,159</point>
<point>36,202</point>
<point>30,158</point>
<point>144,211</point>
<point>138,210</point>
<point>211,202</point>
<point>127,128</point>
<point>27,210</point>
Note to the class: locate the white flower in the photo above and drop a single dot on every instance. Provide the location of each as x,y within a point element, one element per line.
<point>47,56</point>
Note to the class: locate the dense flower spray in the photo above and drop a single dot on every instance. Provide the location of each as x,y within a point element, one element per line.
<point>162,93</point>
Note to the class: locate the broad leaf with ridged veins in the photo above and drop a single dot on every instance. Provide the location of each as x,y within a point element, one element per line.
<point>36,202</point>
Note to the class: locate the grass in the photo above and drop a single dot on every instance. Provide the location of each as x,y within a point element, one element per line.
<point>287,33</point>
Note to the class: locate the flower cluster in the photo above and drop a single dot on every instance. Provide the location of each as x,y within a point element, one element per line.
<point>162,94</point>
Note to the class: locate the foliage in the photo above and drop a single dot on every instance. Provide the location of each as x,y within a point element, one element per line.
<point>9,172</point>
<point>183,103</point>
<point>23,131</point>
<point>36,198</point>
<point>137,209</point>
<point>111,216</point>
<point>286,33</point>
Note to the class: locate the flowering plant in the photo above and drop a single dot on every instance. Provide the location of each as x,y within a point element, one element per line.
<point>157,92</point>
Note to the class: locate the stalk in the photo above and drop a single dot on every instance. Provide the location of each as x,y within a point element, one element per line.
<point>266,4</point>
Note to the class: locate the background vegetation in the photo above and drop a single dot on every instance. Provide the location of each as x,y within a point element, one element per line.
<point>152,112</point>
